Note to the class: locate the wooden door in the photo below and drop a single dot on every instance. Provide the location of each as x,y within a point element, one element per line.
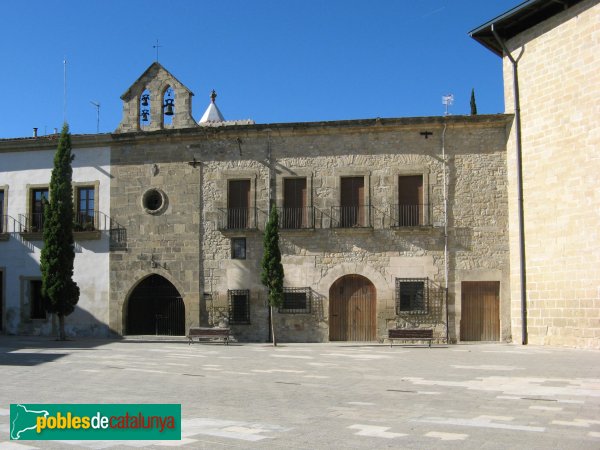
<point>480,311</point>
<point>238,203</point>
<point>410,200</point>
<point>352,309</point>
<point>294,214</point>
<point>352,202</point>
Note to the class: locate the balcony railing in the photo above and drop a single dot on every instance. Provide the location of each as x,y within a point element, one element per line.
<point>237,219</point>
<point>358,216</point>
<point>9,224</point>
<point>409,215</point>
<point>83,221</point>
<point>87,220</point>
<point>296,218</point>
<point>31,223</point>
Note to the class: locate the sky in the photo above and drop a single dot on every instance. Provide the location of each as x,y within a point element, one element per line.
<point>268,60</point>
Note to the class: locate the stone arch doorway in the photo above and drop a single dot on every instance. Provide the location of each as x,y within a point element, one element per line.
<point>155,307</point>
<point>352,309</point>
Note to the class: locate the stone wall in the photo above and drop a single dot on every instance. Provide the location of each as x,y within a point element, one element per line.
<point>163,242</point>
<point>316,258</point>
<point>559,77</point>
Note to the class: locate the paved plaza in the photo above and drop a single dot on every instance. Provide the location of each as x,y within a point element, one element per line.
<point>319,396</point>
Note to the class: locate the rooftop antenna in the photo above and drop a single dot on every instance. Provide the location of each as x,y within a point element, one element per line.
<point>97,105</point>
<point>65,90</point>
<point>447,100</point>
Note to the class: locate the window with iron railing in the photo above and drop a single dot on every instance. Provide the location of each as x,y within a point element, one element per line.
<point>85,217</point>
<point>410,210</point>
<point>296,300</point>
<point>239,306</point>
<point>39,197</point>
<point>412,295</point>
<point>238,204</point>
<point>352,211</point>
<point>295,213</point>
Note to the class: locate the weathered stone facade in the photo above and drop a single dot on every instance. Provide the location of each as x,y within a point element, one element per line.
<point>156,80</point>
<point>166,243</point>
<point>186,244</point>
<point>559,78</point>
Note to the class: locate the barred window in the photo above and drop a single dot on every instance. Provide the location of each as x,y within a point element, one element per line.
<point>412,295</point>
<point>296,300</point>
<point>239,307</point>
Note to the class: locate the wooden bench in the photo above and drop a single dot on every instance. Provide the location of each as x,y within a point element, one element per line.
<point>208,333</point>
<point>419,334</point>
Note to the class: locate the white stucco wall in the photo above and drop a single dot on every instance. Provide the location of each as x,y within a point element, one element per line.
<point>19,258</point>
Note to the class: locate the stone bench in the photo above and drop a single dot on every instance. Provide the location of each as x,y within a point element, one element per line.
<point>208,333</point>
<point>418,334</point>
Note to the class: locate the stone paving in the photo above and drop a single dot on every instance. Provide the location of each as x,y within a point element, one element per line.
<point>319,396</point>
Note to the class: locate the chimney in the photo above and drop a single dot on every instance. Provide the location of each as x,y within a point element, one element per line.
<point>35,132</point>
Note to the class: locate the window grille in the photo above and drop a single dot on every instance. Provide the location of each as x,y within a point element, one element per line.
<point>239,307</point>
<point>296,300</point>
<point>412,295</point>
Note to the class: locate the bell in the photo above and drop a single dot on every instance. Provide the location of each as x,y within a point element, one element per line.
<point>145,98</point>
<point>145,113</point>
<point>169,107</point>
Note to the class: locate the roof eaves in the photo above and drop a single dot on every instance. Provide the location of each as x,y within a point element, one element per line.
<point>517,20</point>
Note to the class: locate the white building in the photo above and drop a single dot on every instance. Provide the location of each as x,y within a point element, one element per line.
<point>24,179</point>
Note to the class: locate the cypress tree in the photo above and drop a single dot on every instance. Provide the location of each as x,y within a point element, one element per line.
<point>473,104</point>
<point>272,270</point>
<point>60,291</point>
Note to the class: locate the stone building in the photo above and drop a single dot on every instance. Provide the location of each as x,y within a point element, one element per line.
<point>362,223</point>
<point>397,222</point>
<point>555,47</point>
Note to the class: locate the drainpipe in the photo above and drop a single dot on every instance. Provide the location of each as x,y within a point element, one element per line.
<point>445,228</point>
<point>515,64</point>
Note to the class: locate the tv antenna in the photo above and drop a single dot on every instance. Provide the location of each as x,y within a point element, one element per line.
<point>97,105</point>
<point>447,100</point>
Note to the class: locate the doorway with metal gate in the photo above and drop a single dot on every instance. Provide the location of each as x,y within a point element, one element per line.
<point>352,309</point>
<point>155,307</point>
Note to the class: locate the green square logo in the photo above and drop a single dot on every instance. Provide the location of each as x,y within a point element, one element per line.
<point>38,422</point>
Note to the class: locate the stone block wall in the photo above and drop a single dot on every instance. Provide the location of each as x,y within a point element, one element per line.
<point>165,242</point>
<point>316,258</point>
<point>559,75</point>
<point>156,79</point>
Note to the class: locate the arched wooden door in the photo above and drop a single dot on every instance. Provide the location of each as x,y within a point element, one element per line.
<point>155,307</point>
<point>352,309</point>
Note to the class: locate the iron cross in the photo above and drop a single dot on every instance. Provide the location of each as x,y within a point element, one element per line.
<point>156,47</point>
<point>426,134</point>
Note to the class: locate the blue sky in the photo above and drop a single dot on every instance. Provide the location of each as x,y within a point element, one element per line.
<point>268,60</point>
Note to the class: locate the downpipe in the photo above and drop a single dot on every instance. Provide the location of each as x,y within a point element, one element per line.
<point>523,271</point>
